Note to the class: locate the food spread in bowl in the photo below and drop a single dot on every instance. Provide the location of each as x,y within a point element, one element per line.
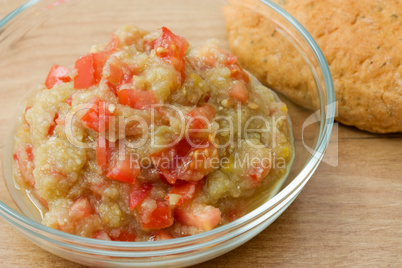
<point>147,138</point>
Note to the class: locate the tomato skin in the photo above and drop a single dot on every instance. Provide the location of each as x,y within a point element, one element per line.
<point>57,75</point>
<point>137,99</point>
<point>172,49</point>
<point>239,92</point>
<point>184,191</point>
<point>25,114</point>
<point>97,117</point>
<point>24,161</point>
<point>124,171</point>
<point>53,126</point>
<point>137,194</point>
<point>160,217</point>
<point>202,216</point>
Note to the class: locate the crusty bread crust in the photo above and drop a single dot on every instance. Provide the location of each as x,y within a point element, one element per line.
<point>361,40</point>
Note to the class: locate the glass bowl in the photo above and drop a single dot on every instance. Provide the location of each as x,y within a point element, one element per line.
<point>41,33</point>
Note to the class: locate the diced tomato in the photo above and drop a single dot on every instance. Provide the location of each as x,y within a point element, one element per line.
<point>89,69</point>
<point>57,75</point>
<point>137,99</point>
<point>98,116</point>
<point>160,235</point>
<point>69,101</point>
<point>137,194</point>
<point>125,236</point>
<point>183,191</point>
<point>207,57</point>
<point>124,170</point>
<point>234,214</point>
<point>104,151</point>
<point>24,162</point>
<point>236,71</point>
<point>53,126</point>
<point>184,161</point>
<point>239,92</point>
<point>198,215</point>
<point>80,209</point>
<point>160,217</point>
<point>113,44</point>
<point>100,151</point>
<point>101,235</point>
<point>201,116</point>
<point>118,73</point>
<point>172,49</point>
<point>258,172</point>
<point>231,59</point>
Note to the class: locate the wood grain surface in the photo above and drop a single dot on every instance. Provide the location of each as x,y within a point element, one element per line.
<point>349,215</point>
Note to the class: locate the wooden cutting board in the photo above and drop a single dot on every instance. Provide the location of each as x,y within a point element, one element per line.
<point>349,215</point>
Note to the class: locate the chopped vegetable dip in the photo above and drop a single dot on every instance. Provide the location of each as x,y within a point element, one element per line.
<point>147,138</point>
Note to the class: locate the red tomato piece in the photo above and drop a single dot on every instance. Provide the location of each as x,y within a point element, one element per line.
<point>24,163</point>
<point>69,101</point>
<point>102,235</point>
<point>113,44</point>
<point>80,209</point>
<point>160,217</point>
<point>104,151</point>
<point>160,235</point>
<point>258,172</point>
<point>236,71</point>
<point>239,92</point>
<point>198,215</point>
<point>137,99</point>
<point>97,117</point>
<point>53,126</point>
<point>137,194</point>
<point>172,49</point>
<point>85,72</point>
<point>124,170</point>
<point>201,116</point>
<point>57,75</point>
<point>183,191</point>
<point>234,214</point>
<point>184,162</point>
<point>118,73</point>
<point>125,236</point>
<point>207,57</point>
<point>89,69</point>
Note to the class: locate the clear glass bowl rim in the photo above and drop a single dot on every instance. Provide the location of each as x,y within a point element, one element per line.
<point>16,218</point>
